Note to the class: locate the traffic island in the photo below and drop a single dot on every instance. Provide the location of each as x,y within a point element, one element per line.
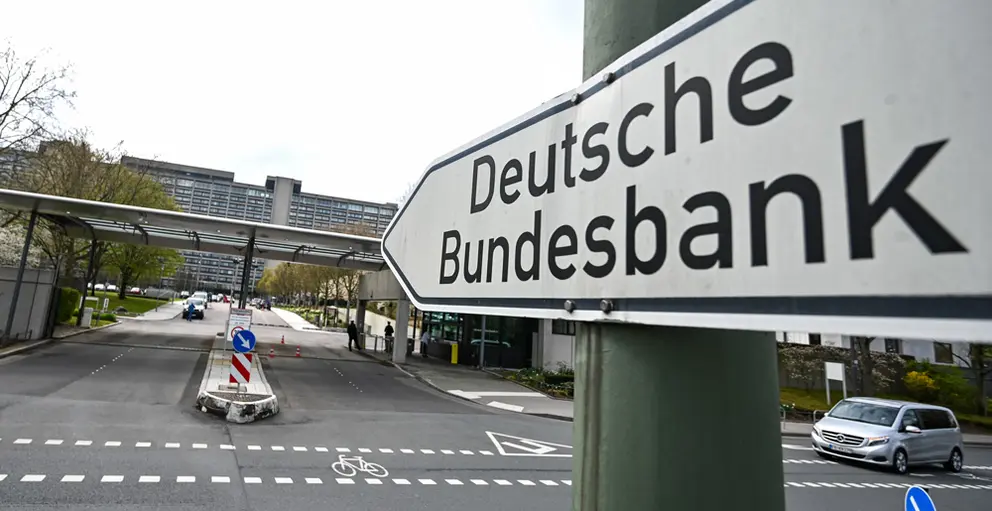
<point>242,403</point>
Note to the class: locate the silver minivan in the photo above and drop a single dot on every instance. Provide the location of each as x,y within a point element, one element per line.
<point>890,433</point>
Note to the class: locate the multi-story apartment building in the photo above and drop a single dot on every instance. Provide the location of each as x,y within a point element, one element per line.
<point>280,201</point>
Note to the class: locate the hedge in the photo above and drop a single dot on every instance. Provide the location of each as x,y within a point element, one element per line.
<point>68,300</point>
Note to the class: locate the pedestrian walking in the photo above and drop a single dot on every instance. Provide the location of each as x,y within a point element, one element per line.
<point>352,334</point>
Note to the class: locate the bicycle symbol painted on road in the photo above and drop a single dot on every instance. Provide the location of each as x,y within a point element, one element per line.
<point>349,466</point>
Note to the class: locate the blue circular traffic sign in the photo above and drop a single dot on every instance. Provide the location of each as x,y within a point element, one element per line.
<point>244,341</point>
<point>917,499</point>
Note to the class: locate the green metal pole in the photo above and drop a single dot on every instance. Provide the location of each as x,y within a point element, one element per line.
<point>661,412</point>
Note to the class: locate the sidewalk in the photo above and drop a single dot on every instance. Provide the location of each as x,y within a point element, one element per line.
<point>479,386</point>
<point>165,311</point>
<point>294,320</point>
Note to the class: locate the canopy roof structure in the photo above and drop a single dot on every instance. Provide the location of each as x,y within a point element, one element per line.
<point>119,223</point>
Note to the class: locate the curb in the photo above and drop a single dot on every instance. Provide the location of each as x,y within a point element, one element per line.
<point>528,387</point>
<point>42,342</point>
<point>430,384</point>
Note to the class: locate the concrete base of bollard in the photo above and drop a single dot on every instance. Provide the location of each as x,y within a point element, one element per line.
<point>239,408</point>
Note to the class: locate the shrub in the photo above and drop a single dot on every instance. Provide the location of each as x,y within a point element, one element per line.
<point>68,300</point>
<point>952,389</point>
<point>107,316</point>
<point>920,386</point>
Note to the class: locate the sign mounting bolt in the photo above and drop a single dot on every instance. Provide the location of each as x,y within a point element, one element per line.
<point>576,98</point>
<point>569,306</point>
<point>606,306</point>
<point>608,77</point>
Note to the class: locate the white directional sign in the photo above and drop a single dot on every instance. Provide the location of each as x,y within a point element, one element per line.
<point>509,445</point>
<point>763,164</point>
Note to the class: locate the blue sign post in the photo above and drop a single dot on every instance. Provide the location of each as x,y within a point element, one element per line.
<point>917,499</point>
<point>244,341</point>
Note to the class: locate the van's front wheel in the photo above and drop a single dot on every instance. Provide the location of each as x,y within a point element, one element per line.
<point>900,462</point>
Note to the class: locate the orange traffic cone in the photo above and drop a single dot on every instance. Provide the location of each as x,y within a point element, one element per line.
<point>297,351</point>
<point>283,341</point>
<point>272,353</point>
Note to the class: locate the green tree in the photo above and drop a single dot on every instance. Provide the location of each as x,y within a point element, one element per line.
<point>137,261</point>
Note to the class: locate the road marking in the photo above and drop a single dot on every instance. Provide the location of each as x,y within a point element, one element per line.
<point>454,482</point>
<point>467,453</point>
<point>171,445</point>
<point>797,447</point>
<point>23,441</point>
<point>447,451</point>
<point>142,444</point>
<point>253,480</point>
<point>284,480</point>
<point>407,451</point>
<point>220,479</point>
<point>149,479</point>
<point>313,480</point>
<point>199,446</point>
<point>53,442</point>
<point>343,449</point>
<point>502,482</point>
<point>33,478</point>
<point>112,443</point>
<point>254,447</point>
<point>73,478</point>
<point>112,479</point>
<point>480,482</point>
<point>345,480</point>
<point>401,481</point>
<point>278,448</point>
<point>548,482</point>
<point>186,479</point>
<point>427,451</point>
<point>525,482</point>
<point>226,447</point>
<point>373,480</point>
<point>426,482</point>
<point>320,449</point>
<point>567,482</point>
<point>84,443</point>
<point>505,406</point>
<point>3,476</point>
<point>385,451</point>
<point>364,450</point>
<point>486,453</point>
<point>299,448</point>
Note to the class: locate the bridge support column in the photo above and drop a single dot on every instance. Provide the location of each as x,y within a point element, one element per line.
<point>360,321</point>
<point>20,277</point>
<point>402,326</point>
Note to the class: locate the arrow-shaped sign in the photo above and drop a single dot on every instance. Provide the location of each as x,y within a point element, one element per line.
<point>509,445</point>
<point>244,342</point>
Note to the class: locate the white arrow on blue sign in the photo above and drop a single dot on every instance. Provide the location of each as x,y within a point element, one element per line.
<point>244,341</point>
<point>917,499</point>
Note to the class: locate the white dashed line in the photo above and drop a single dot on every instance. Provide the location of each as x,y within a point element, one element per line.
<point>386,451</point>
<point>502,482</point>
<point>548,482</point>
<point>172,445</point>
<point>142,444</point>
<point>373,481</point>
<point>149,479</point>
<point>525,482</point>
<point>299,448</point>
<point>427,451</point>
<point>426,482</point>
<point>84,443</point>
<point>254,447</point>
<point>467,453</point>
<point>401,481</point>
<point>112,479</point>
<point>112,443</point>
<point>567,482</point>
<point>33,478</point>
<point>364,449</point>
<point>186,479</point>
<point>253,480</point>
<point>226,447</point>
<point>343,449</point>
<point>406,451</point>
<point>72,478</point>
<point>199,446</point>
<point>320,449</point>
<point>313,480</point>
<point>284,480</point>
<point>454,482</point>
<point>486,453</point>
<point>278,448</point>
<point>345,480</point>
<point>220,479</point>
<point>480,482</point>
<point>53,442</point>
<point>23,441</point>
<point>447,451</point>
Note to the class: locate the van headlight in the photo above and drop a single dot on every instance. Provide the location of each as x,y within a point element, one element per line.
<point>816,431</point>
<point>877,440</point>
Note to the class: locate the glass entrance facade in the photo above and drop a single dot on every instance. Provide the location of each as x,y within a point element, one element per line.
<point>509,341</point>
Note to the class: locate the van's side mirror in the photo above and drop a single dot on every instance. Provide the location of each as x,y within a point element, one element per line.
<point>912,429</point>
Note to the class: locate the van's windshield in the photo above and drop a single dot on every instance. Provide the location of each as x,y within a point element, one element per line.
<point>869,413</point>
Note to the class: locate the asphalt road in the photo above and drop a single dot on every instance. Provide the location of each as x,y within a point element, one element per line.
<point>106,422</point>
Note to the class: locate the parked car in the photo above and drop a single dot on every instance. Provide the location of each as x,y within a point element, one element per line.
<point>895,434</point>
<point>198,307</point>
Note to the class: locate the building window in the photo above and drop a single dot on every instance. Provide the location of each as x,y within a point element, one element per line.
<point>893,345</point>
<point>815,340</point>
<point>562,327</point>
<point>942,353</point>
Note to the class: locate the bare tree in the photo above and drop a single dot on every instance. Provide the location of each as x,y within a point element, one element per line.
<point>29,96</point>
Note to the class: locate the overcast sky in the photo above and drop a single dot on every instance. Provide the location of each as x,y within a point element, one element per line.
<point>353,97</point>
